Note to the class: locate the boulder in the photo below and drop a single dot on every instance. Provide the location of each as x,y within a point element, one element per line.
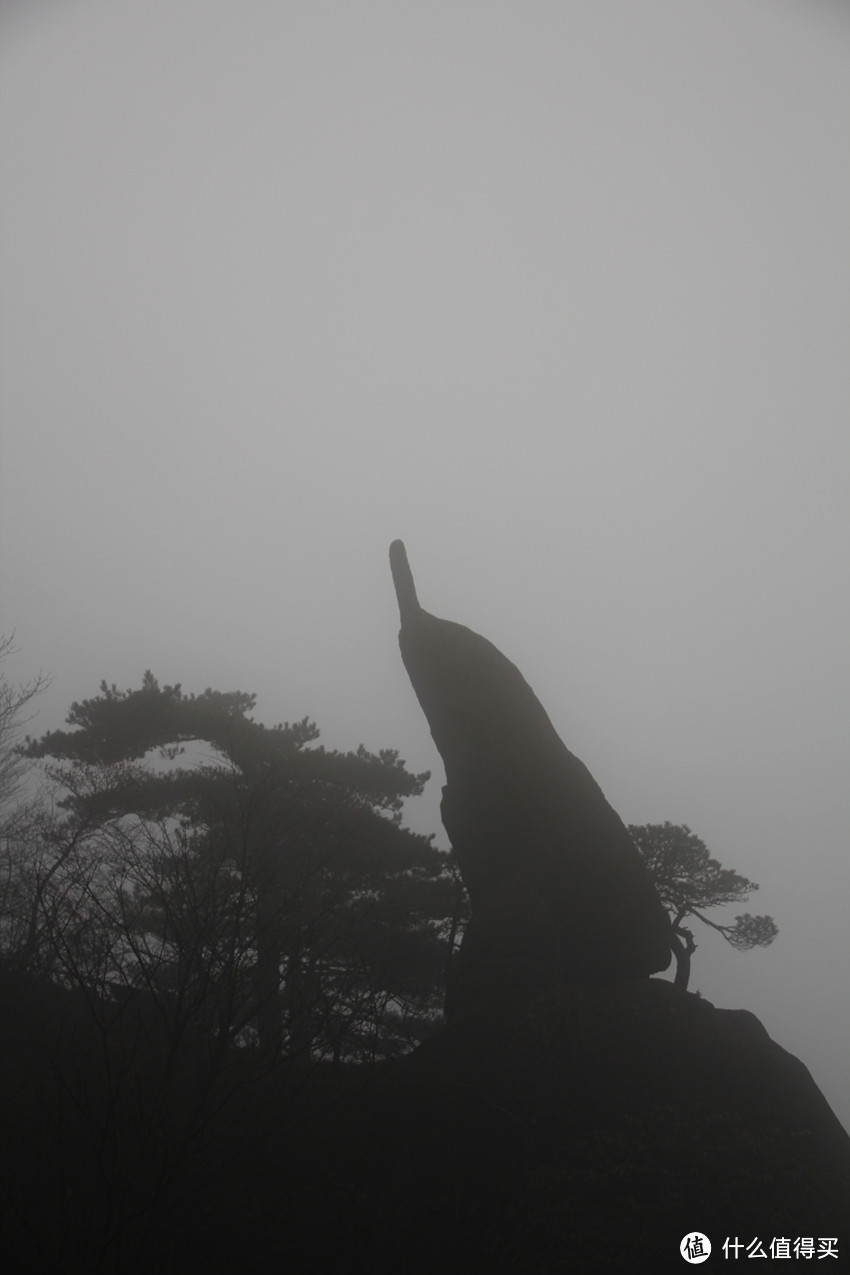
<point>557,887</point>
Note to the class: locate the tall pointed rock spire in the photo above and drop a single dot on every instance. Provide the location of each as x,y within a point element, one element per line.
<point>557,886</point>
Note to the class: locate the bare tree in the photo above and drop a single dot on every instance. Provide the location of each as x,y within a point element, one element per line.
<point>14,700</point>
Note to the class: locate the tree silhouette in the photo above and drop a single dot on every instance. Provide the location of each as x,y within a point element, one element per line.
<point>688,882</point>
<point>268,888</point>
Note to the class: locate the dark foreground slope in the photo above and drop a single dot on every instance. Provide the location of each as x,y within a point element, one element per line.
<point>580,1130</point>
<point>587,1131</point>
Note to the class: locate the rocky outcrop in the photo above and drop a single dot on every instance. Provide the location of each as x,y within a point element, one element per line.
<point>557,888</point>
<point>574,1114</point>
<point>587,1129</point>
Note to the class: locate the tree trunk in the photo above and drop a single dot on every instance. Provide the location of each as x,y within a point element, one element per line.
<point>683,952</point>
<point>267,987</point>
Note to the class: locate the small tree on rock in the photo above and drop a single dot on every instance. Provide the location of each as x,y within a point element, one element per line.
<point>688,882</point>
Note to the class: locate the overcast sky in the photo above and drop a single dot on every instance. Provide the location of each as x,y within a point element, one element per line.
<point>559,293</point>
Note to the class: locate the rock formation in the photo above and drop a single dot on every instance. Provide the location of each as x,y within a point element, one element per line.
<point>558,889</point>
<point>567,1118</point>
<point>587,1130</point>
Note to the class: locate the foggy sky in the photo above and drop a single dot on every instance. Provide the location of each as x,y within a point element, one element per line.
<point>557,293</point>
